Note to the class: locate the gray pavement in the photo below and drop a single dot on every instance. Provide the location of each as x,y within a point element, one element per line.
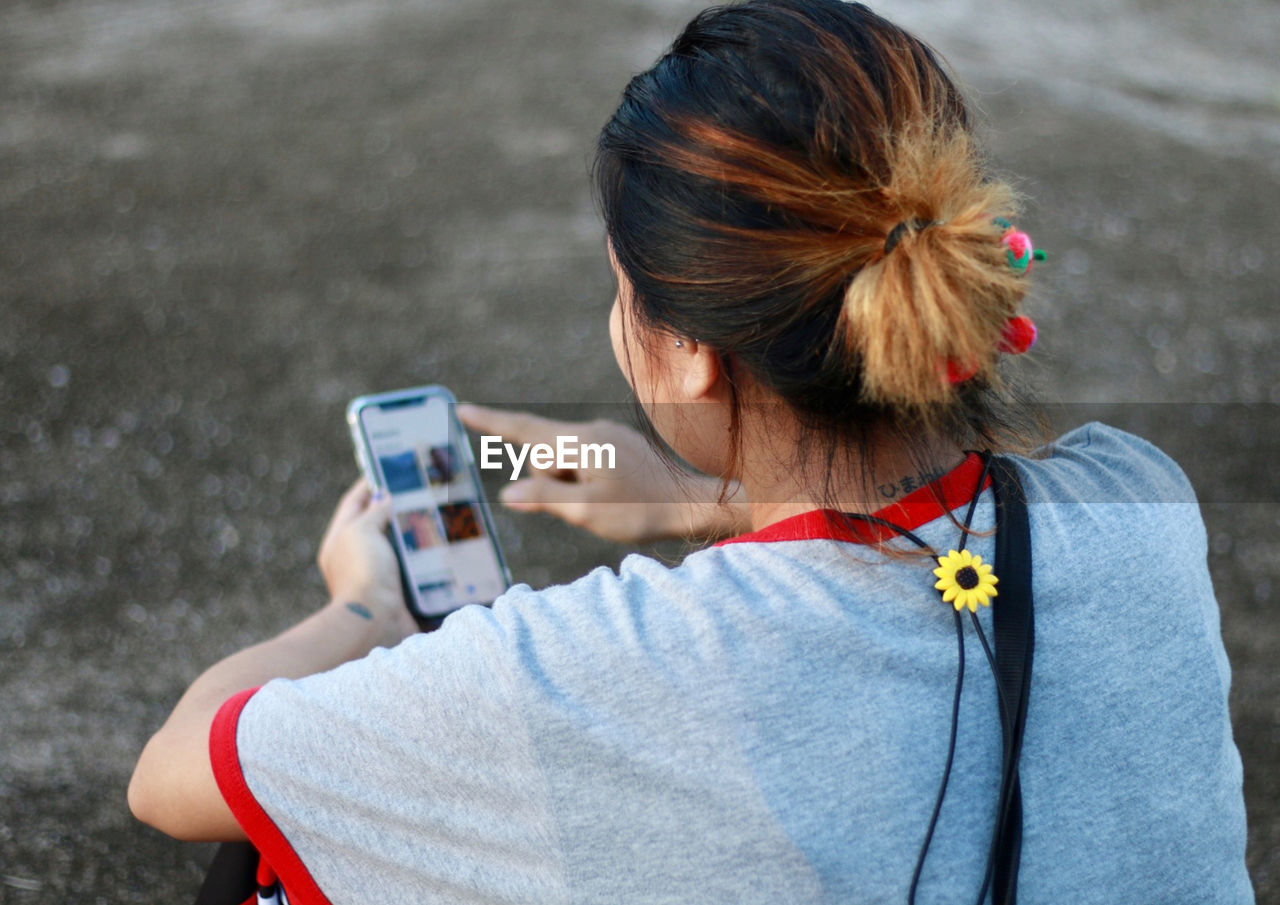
<point>219,221</point>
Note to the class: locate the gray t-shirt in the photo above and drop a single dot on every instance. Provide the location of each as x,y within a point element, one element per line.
<point>768,722</point>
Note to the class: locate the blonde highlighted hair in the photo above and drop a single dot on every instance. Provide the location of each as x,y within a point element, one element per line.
<point>944,293</point>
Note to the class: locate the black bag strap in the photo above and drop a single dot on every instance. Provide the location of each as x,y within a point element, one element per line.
<point>1014,624</point>
<point>1014,621</point>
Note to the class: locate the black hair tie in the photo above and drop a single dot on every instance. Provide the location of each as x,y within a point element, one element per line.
<point>895,234</point>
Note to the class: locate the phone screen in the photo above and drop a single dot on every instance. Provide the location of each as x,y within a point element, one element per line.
<point>418,452</point>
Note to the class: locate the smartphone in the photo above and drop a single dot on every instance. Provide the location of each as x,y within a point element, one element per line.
<point>410,444</point>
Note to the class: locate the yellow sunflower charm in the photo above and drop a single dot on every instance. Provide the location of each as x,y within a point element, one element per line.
<point>965,580</point>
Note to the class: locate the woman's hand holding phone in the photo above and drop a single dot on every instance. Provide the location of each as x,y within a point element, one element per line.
<point>639,501</point>
<point>359,566</point>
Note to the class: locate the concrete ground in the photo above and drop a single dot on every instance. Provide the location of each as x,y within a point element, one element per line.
<point>220,221</point>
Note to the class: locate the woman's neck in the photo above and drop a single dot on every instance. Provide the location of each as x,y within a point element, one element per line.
<point>778,484</point>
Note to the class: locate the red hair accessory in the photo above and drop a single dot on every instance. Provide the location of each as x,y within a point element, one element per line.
<point>1019,333</point>
<point>958,373</point>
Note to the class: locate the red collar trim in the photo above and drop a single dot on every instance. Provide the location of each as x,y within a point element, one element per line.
<point>919,507</point>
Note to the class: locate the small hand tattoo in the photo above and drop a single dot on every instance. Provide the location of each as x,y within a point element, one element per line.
<point>360,610</point>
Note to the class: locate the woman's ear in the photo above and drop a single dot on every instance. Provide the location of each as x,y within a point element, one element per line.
<point>700,370</point>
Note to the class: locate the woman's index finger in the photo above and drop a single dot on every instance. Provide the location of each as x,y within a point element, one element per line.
<point>512,426</point>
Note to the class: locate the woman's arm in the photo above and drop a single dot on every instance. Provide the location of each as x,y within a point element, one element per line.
<point>173,787</point>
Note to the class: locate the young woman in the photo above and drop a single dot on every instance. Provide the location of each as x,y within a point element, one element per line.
<point>817,284</point>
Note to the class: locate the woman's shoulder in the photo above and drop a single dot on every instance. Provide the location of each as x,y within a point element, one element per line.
<point>605,593</point>
<point>645,615</point>
<point>1098,463</point>
<point>1111,496</point>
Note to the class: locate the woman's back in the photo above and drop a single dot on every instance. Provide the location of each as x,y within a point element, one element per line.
<point>769,721</point>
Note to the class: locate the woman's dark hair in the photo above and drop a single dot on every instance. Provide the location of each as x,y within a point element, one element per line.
<point>749,181</point>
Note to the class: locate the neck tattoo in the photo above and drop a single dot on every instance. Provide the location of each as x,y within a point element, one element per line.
<point>907,484</point>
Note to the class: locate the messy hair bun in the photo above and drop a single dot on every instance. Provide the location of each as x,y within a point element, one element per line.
<point>751,181</point>
<point>939,299</point>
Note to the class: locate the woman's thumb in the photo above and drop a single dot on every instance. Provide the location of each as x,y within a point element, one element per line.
<point>378,512</point>
<point>528,495</point>
<point>563,499</point>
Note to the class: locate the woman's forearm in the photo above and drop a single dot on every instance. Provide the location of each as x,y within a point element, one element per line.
<point>173,788</point>
<point>343,630</point>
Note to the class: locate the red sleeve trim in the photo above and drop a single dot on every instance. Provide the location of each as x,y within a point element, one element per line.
<point>921,506</point>
<point>261,829</point>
